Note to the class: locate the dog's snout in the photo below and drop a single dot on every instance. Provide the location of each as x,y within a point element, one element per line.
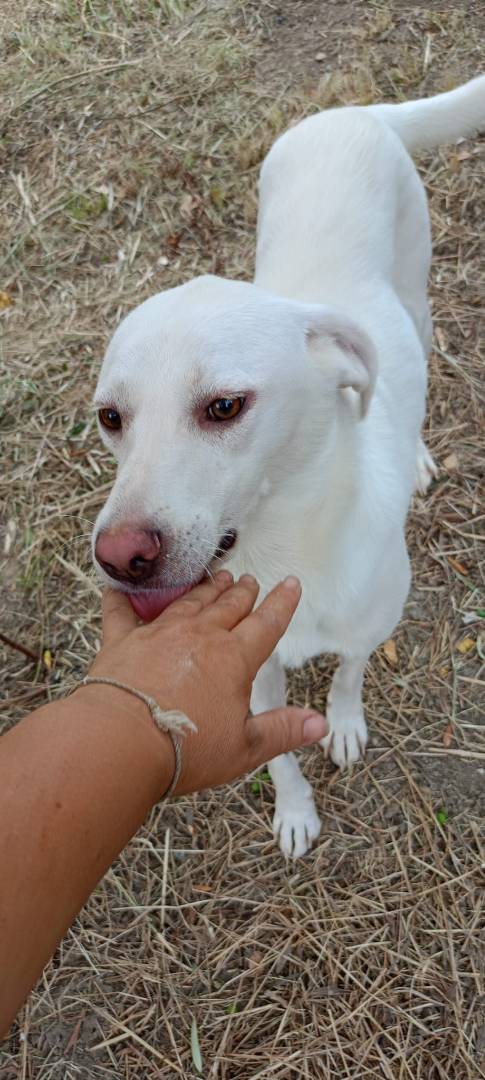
<point>127,553</point>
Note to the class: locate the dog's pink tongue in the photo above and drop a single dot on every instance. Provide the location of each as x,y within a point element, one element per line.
<point>150,604</point>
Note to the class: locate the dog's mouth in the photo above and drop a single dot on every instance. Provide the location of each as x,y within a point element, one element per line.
<point>148,604</point>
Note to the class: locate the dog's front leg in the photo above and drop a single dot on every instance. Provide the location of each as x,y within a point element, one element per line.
<point>347,737</point>
<point>296,823</point>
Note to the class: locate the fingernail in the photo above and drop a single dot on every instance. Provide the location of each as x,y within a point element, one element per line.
<point>247,579</point>
<point>291,583</point>
<point>314,728</point>
<point>224,575</point>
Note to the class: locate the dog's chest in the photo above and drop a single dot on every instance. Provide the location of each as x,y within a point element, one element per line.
<point>320,624</point>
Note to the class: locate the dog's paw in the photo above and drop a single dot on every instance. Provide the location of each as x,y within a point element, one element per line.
<point>347,741</point>
<point>426,470</point>
<point>296,825</point>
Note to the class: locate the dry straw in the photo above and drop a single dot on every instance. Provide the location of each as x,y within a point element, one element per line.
<point>132,135</point>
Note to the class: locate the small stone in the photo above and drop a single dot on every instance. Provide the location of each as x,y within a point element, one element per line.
<point>466,645</point>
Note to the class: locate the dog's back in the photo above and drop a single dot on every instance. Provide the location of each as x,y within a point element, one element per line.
<point>341,203</point>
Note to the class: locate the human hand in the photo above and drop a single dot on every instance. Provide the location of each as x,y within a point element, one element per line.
<point>200,657</point>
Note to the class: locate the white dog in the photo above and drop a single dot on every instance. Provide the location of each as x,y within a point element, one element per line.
<point>276,425</point>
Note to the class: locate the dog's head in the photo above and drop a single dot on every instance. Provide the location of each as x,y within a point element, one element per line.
<point>210,396</point>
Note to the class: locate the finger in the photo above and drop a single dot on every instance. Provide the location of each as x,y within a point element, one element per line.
<point>203,595</point>
<point>234,605</point>
<point>282,730</point>
<point>261,630</point>
<point>118,616</point>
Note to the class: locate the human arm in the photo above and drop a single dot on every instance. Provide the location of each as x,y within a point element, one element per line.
<point>78,776</point>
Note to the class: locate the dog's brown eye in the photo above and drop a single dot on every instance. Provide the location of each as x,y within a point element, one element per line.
<point>110,419</point>
<point>225,408</point>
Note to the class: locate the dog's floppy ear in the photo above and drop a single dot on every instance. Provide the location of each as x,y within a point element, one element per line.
<point>354,361</point>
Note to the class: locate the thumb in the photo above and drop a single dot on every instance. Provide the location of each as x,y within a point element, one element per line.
<point>281,730</point>
<point>118,616</point>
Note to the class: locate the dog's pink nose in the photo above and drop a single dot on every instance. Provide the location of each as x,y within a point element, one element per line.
<point>128,554</point>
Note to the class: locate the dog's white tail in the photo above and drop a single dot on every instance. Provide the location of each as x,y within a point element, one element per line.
<point>445,118</point>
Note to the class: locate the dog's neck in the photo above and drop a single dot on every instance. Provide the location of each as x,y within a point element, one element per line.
<point>324,490</point>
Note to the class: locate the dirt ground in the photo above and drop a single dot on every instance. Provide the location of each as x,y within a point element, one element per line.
<point>131,139</point>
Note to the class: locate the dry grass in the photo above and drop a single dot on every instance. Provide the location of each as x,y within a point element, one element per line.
<point>131,139</point>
